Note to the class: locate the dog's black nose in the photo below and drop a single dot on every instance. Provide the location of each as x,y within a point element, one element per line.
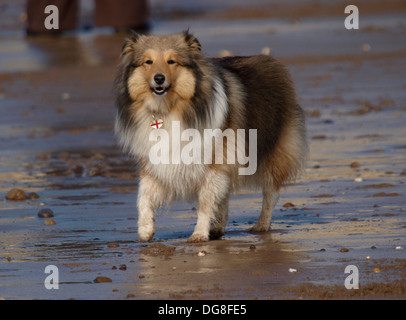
<point>159,78</point>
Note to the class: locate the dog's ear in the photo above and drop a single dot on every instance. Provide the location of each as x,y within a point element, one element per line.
<point>129,42</point>
<point>191,40</point>
<point>128,48</point>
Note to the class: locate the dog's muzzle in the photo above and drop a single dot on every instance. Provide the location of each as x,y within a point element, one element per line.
<point>160,87</point>
<point>159,91</point>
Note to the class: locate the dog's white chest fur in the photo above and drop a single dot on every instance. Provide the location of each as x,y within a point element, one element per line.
<point>170,168</point>
<point>183,179</point>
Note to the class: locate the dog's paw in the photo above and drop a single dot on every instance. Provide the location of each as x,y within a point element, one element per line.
<point>198,237</point>
<point>259,228</point>
<point>216,233</point>
<point>146,233</point>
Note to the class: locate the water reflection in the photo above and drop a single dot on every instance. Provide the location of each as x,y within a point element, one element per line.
<point>195,270</point>
<point>34,54</point>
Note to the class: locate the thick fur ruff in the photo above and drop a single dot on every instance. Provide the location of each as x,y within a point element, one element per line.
<point>168,78</point>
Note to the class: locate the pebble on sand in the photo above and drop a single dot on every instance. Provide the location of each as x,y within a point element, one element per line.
<point>355,164</point>
<point>45,213</point>
<point>102,280</point>
<point>49,222</point>
<point>365,47</point>
<point>32,196</point>
<point>16,195</point>
<point>288,205</point>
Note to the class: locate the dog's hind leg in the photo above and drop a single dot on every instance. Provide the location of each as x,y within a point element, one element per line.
<point>218,228</point>
<point>271,196</point>
<point>150,198</point>
<point>211,196</point>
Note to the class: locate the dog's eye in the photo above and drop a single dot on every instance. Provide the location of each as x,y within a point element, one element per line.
<point>148,62</point>
<point>171,62</point>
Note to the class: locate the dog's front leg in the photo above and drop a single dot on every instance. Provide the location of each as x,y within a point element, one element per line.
<point>150,198</point>
<point>212,193</point>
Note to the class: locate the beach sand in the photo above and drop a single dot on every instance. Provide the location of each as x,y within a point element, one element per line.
<point>348,207</point>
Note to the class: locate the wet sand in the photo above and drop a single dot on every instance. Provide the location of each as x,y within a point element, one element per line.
<point>347,208</point>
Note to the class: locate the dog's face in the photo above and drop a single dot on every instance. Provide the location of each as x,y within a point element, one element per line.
<point>160,68</point>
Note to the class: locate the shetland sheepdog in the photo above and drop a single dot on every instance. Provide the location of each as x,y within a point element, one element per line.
<point>167,80</point>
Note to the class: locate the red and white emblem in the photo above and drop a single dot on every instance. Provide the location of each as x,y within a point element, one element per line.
<point>156,124</point>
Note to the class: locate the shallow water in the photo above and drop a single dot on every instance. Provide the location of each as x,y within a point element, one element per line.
<point>56,139</point>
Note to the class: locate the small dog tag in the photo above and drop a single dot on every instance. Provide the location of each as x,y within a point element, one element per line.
<point>156,124</point>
